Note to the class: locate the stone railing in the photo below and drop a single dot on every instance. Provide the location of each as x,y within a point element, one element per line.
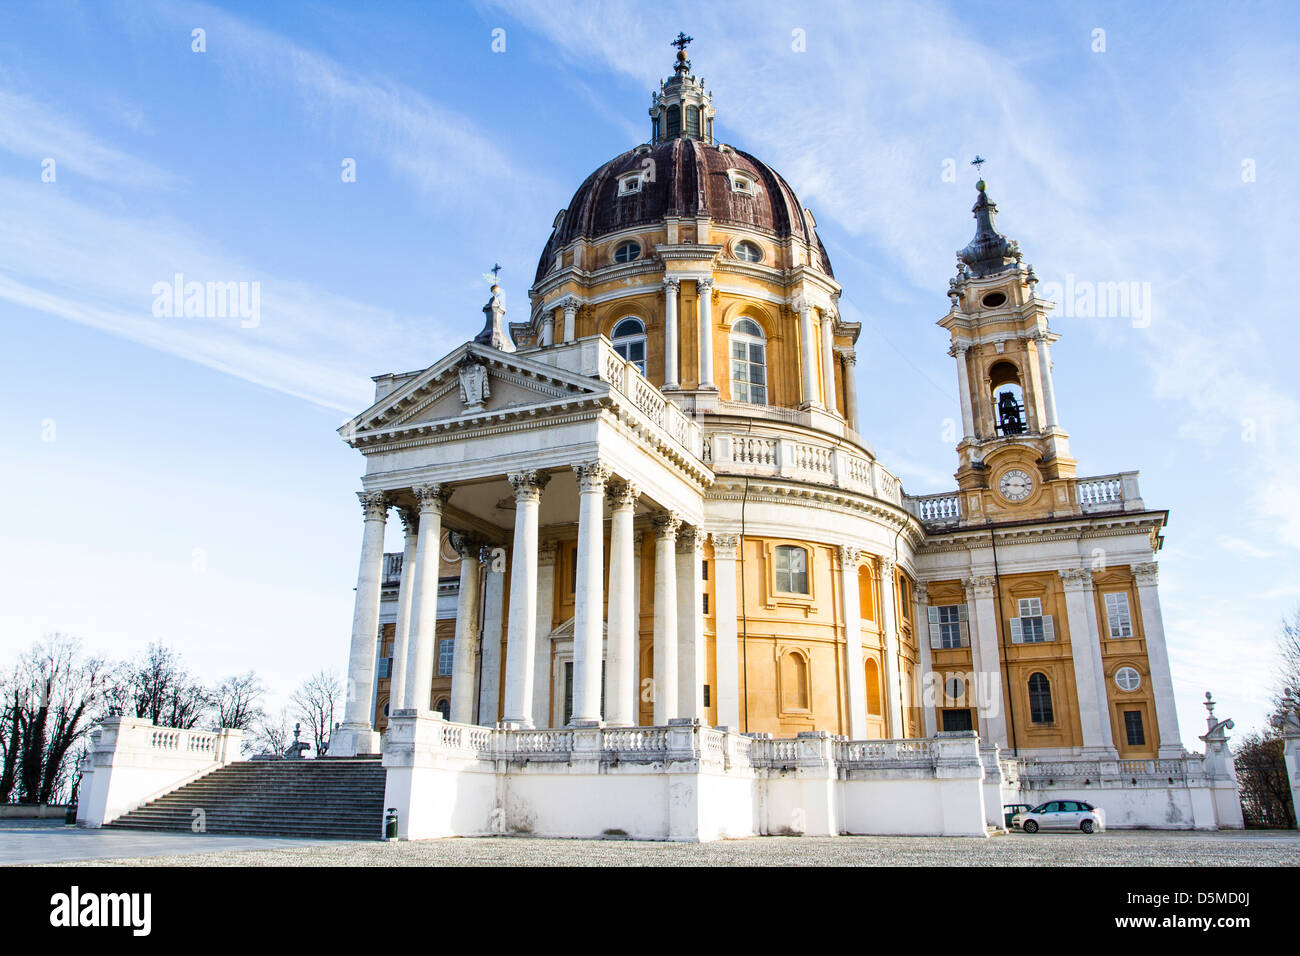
<point>867,753</point>
<point>936,509</point>
<point>594,357</point>
<point>1118,492</point>
<point>771,452</point>
<point>1034,773</point>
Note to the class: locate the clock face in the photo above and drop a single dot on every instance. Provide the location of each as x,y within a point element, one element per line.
<point>1016,485</point>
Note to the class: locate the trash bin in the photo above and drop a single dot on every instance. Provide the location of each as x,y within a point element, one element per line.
<point>390,824</point>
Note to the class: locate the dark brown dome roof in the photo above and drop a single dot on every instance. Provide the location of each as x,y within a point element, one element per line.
<point>690,177</point>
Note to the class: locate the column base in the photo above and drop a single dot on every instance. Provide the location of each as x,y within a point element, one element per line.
<point>587,723</point>
<point>356,740</point>
<point>516,725</point>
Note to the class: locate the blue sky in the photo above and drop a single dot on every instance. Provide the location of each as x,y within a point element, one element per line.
<point>180,479</point>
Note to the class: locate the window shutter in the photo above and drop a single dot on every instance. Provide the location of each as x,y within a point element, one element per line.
<point>963,624</point>
<point>1017,633</point>
<point>1049,630</point>
<point>936,642</point>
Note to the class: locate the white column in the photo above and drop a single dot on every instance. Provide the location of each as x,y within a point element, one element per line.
<point>724,629</point>
<point>548,328</point>
<point>690,623</point>
<point>521,632</point>
<point>1045,376</point>
<point>851,388</point>
<point>807,349</point>
<point>463,686</point>
<point>929,721</point>
<point>989,696</point>
<point>1147,578</point>
<point>963,392</point>
<point>665,627</point>
<point>853,662</point>
<point>420,652</point>
<point>893,686</point>
<point>671,287</point>
<point>542,683</point>
<point>588,594</point>
<point>401,645</point>
<point>494,571</point>
<point>705,289</point>
<point>570,306</point>
<point>828,358</point>
<point>356,734</point>
<point>620,655</point>
<point>1085,648</point>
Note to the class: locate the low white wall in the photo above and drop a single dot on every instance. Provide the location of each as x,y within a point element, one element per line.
<point>133,762</point>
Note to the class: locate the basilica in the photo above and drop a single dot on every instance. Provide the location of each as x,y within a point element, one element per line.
<point>652,562</point>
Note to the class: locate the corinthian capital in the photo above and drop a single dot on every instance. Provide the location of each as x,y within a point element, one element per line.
<point>725,546</point>
<point>592,476</point>
<point>1075,579</point>
<point>666,524</point>
<point>528,485</point>
<point>705,286</point>
<point>850,557</point>
<point>672,284</point>
<point>431,497</point>
<point>570,304</point>
<point>374,505</point>
<point>1147,574</point>
<point>410,520</point>
<point>979,586</point>
<point>622,494</point>
<point>690,539</point>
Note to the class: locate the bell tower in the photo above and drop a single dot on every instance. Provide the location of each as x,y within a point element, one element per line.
<point>1014,456</point>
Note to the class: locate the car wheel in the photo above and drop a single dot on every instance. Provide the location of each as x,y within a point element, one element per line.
<point>1030,826</point>
<point>1087,826</point>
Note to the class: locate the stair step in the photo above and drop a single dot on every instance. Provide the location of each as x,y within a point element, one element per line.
<point>339,798</point>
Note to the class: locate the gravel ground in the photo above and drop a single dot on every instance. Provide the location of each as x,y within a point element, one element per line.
<point>1126,848</point>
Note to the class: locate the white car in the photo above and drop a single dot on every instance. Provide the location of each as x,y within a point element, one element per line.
<point>1061,815</point>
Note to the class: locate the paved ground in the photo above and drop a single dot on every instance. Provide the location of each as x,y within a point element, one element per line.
<point>49,841</point>
<point>45,844</point>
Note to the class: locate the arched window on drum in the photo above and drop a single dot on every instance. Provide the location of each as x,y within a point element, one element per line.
<point>628,339</point>
<point>748,363</point>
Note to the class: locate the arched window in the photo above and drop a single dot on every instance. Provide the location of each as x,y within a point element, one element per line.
<point>674,120</point>
<point>794,681</point>
<point>1040,699</point>
<point>1009,414</point>
<point>692,121</point>
<point>748,363</point>
<point>627,251</point>
<point>873,686</point>
<point>629,341</point>
<point>791,569</point>
<point>748,252</point>
<point>443,707</point>
<point>866,594</point>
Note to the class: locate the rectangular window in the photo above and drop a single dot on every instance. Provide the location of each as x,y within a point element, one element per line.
<point>704,570</point>
<point>706,604</point>
<point>706,695</point>
<point>791,569</point>
<point>1118,620</point>
<point>446,649</point>
<point>1032,626</point>
<point>957,720</point>
<point>1133,728</point>
<point>949,626</point>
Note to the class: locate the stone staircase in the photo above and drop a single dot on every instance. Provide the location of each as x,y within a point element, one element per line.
<point>333,798</point>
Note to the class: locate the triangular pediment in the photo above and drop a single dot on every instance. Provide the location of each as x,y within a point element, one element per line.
<point>473,380</point>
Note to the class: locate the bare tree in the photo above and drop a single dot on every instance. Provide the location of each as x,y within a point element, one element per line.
<point>51,699</point>
<point>314,704</point>
<point>1288,641</point>
<point>1262,779</point>
<point>157,687</point>
<point>271,735</point>
<point>236,700</point>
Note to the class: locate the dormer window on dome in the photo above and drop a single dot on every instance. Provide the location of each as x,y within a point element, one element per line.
<point>742,183</point>
<point>631,183</point>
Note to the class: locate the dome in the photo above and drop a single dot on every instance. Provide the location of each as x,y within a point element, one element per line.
<point>683,176</point>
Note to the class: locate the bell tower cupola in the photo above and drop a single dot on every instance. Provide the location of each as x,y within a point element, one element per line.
<point>1013,454</point>
<point>682,106</point>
